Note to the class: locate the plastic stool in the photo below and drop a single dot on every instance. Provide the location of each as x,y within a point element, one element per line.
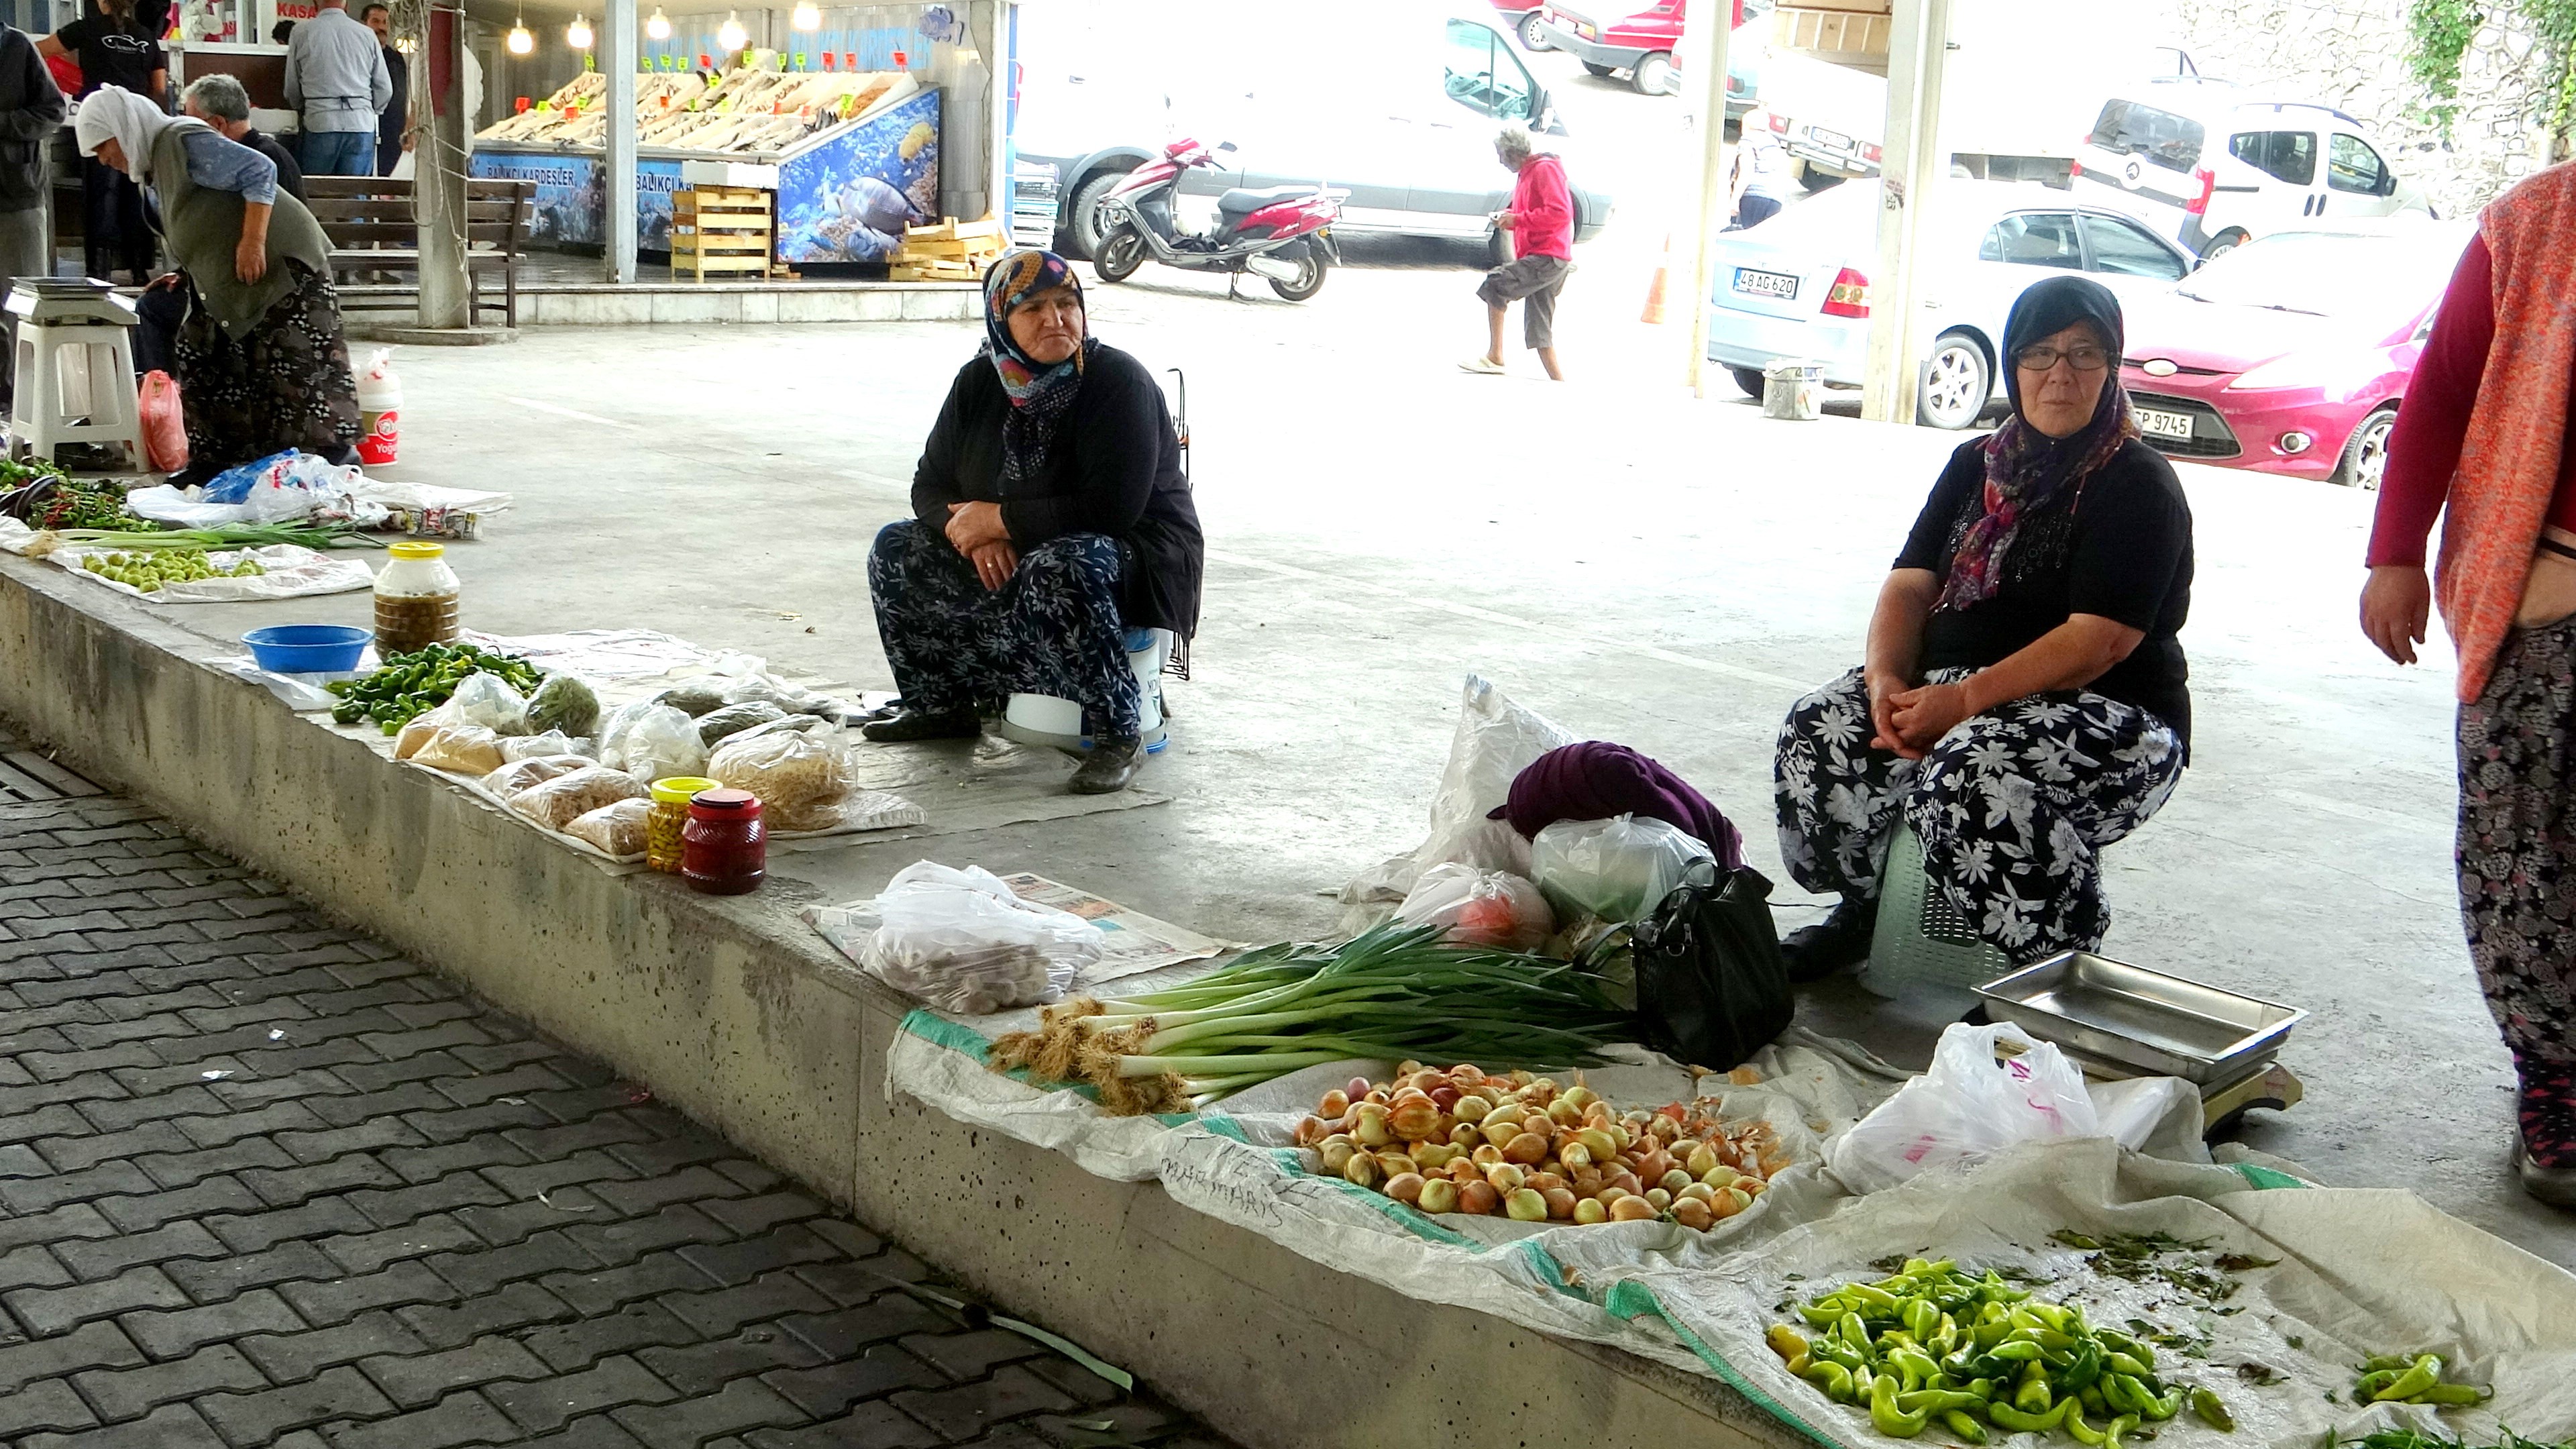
<point>1922,946</point>
<point>75,385</point>
<point>1043,719</point>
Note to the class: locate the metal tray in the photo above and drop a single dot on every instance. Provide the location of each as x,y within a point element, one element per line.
<point>2140,1018</point>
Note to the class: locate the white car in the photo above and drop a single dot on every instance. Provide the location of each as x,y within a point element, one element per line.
<point>2213,171</point>
<point>1797,285</point>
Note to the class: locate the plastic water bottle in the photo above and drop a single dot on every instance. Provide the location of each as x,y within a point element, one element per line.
<point>379,409</point>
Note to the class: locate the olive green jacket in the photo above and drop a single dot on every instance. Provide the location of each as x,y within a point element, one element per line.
<point>203,226</point>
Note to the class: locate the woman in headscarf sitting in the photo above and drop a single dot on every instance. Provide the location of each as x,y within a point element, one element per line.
<point>261,363</point>
<point>1050,518</point>
<point>2023,701</point>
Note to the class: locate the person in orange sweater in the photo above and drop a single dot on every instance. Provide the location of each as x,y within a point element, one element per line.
<point>1540,222</point>
<point>2481,439</point>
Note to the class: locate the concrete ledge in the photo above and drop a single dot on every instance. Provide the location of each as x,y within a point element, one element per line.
<point>734,1013</point>
<point>601,305</point>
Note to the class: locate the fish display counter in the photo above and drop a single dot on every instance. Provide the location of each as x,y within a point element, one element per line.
<point>853,156</point>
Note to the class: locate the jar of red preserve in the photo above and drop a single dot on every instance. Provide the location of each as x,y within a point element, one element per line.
<point>724,848</point>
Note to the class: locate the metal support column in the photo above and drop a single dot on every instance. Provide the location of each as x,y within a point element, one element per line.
<point>1913,166</point>
<point>438,170</point>
<point>1707,61</point>
<point>617,51</point>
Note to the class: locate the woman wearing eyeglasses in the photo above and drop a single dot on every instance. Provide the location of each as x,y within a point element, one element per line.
<point>2022,703</point>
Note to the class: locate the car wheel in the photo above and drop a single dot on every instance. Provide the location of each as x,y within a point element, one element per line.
<point>2365,454</point>
<point>1956,384</point>
<point>2225,242</point>
<point>1084,224</point>
<point>1749,379</point>
<point>1600,70</point>
<point>1815,180</point>
<point>1120,256</point>
<point>1533,37</point>
<point>1655,76</point>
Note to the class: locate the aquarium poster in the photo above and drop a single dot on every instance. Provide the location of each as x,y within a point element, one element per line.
<point>851,196</point>
<point>571,203</point>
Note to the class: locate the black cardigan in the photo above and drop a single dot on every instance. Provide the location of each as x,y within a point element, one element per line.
<point>1116,470</point>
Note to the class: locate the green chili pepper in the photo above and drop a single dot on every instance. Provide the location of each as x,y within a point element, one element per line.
<point>2372,1382</point>
<point>1917,1369</point>
<point>1945,1336</point>
<point>2156,1408</point>
<point>2020,1350</point>
<point>2121,1363</point>
<point>2212,1411</point>
<point>1937,1401</point>
<point>1871,1295</point>
<point>2426,1372</point>
<point>1921,1318</point>
<point>1968,1429</point>
<point>2119,1426</point>
<point>2114,1389</point>
<point>2080,1371</point>
<point>2033,1397</point>
<point>1833,1378</point>
<point>1834,1350</point>
<point>2075,1425</point>
<point>2387,1361</point>
<point>2005,1416</point>
<point>1888,1419</point>
<point>1854,1332</point>
<point>1984,1389</point>
<point>2090,1396</point>
<point>2453,1394</point>
<point>1821,1314</point>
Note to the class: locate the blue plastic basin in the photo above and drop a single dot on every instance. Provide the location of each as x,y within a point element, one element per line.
<point>307,648</point>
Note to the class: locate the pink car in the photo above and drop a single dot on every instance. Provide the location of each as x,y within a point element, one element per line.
<point>2291,353</point>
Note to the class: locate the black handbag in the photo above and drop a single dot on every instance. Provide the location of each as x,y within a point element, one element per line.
<point>1711,987</point>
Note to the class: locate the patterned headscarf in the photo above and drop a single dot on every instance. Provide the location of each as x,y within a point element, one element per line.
<point>1040,394</point>
<point>2027,469</point>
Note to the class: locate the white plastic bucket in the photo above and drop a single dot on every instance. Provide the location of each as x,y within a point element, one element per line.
<point>1791,388</point>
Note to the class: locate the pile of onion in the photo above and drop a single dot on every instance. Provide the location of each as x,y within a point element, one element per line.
<point>1460,1141</point>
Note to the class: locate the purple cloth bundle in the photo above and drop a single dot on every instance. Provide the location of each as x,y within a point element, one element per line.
<point>1596,780</point>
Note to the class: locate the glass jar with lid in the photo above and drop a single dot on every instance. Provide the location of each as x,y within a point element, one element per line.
<point>415,599</point>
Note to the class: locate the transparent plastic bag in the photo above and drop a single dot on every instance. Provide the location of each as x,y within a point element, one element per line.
<point>466,749</point>
<point>961,941</point>
<point>566,798</point>
<point>1495,740</point>
<point>1966,1106</point>
<point>533,747</point>
<point>1619,869</point>
<point>652,742</point>
<point>1480,908</point>
<point>489,701</point>
<point>801,779</point>
<point>617,829</point>
<point>529,773</point>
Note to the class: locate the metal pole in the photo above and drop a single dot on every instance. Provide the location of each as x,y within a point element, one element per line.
<point>1913,166</point>
<point>438,170</point>
<point>617,58</point>
<point>1708,60</point>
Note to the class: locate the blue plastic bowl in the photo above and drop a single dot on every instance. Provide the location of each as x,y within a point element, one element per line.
<point>307,648</point>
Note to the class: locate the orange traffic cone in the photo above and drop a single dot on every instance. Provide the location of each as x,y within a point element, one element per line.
<point>1654,313</point>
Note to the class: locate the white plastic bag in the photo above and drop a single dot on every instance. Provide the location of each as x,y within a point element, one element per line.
<point>1966,1106</point>
<point>652,742</point>
<point>515,748</point>
<point>1480,907</point>
<point>1619,869</point>
<point>489,701</point>
<point>962,941</point>
<point>1496,740</point>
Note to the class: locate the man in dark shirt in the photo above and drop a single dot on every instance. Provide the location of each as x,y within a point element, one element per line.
<point>220,102</point>
<point>395,119</point>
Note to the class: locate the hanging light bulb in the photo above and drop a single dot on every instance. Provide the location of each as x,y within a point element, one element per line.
<point>807,16</point>
<point>577,35</point>
<point>521,42</point>
<point>659,27</point>
<point>731,35</point>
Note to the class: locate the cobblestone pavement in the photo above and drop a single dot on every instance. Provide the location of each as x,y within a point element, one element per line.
<point>267,1183</point>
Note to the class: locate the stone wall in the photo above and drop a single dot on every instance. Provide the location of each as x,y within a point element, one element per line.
<point>2351,54</point>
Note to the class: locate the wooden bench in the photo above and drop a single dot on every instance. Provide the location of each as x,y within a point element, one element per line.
<point>373,228</point>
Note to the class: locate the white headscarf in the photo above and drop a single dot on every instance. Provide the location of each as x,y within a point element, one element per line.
<point>135,123</point>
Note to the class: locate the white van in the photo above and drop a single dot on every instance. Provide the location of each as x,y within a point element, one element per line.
<point>2213,170</point>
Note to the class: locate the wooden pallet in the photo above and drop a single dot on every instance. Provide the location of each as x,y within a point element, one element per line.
<point>724,231</point>
<point>950,251</point>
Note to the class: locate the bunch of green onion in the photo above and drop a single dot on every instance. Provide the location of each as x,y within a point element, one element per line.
<point>1394,992</point>
<point>231,535</point>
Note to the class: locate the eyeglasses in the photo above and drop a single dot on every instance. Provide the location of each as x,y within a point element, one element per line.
<point>2042,357</point>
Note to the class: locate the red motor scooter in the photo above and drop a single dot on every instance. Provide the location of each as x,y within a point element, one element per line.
<point>1282,235</point>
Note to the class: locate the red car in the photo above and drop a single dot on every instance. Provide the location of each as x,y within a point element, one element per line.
<point>2290,354</point>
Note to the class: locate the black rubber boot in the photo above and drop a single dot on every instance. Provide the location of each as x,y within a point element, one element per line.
<point>1836,943</point>
<point>925,724</point>
<point>1110,767</point>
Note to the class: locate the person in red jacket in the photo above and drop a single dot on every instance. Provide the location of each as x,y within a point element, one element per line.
<point>1540,223</point>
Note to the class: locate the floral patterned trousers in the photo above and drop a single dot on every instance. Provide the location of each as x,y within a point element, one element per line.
<point>2517,843</point>
<point>2013,806</point>
<point>1053,628</point>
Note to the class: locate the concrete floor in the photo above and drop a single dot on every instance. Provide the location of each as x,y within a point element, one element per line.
<point>1639,566</point>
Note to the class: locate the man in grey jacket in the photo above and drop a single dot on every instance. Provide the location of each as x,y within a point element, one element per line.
<point>336,80</point>
<point>31,110</point>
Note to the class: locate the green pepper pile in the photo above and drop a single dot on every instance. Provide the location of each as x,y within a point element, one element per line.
<point>2418,1380</point>
<point>416,683</point>
<point>1933,1342</point>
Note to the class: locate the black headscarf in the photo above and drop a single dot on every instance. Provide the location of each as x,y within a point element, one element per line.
<point>2025,468</point>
